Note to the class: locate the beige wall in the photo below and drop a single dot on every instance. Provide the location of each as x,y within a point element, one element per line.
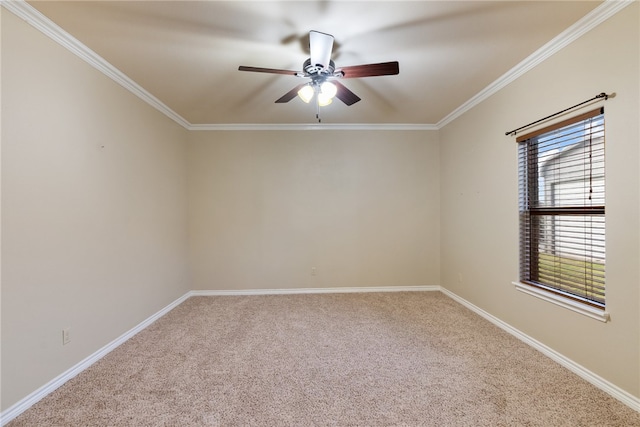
<point>104,200</point>
<point>362,207</point>
<point>480,200</point>
<point>93,210</point>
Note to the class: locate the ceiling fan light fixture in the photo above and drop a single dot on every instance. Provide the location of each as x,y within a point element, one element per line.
<point>306,93</point>
<point>324,100</point>
<point>328,89</point>
<point>322,72</point>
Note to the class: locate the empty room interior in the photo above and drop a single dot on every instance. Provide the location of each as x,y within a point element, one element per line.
<point>146,175</point>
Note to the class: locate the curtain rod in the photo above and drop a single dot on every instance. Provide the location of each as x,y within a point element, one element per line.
<point>598,96</point>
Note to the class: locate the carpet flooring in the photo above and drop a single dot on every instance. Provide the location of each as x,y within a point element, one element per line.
<point>370,359</point>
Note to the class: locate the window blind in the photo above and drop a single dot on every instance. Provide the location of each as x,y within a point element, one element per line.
<point>562,208</point>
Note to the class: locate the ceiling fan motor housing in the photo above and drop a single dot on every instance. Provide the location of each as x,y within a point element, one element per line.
<point>317,71</point>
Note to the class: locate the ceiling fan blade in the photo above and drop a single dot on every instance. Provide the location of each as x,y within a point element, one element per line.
<point>268,70</point>
<point>320,46</point>
<point>344,94</point>
<point>290,95</point>
<point>370,70</point>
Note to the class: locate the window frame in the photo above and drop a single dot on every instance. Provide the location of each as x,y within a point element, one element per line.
<point>530,231</point>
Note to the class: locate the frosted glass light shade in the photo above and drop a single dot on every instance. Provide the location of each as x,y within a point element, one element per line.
<point>328,89</point>
<point>306,93</point>
<point>324,100</point>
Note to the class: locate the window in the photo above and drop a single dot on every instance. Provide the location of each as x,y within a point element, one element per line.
<point>562,209</point>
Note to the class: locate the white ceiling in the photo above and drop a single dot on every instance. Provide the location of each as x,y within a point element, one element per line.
<point>187,53</point>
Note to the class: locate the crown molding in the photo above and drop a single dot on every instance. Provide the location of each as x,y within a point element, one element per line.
<point>32,16</point>
<point>35,18</point>
<point>314,126</point>
<point>594,18</point>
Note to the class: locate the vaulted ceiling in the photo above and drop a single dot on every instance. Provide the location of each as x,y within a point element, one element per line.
<point>186,53</point>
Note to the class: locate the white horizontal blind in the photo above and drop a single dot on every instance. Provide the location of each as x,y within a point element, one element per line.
<point>562,208</point>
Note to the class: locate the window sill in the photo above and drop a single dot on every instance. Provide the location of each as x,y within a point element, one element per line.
<point>567,303</point>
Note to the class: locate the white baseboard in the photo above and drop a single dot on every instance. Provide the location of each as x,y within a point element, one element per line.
<point>24,404</point>
<point>628,399</point>
<point>314,290</point>
<point>33,398</point>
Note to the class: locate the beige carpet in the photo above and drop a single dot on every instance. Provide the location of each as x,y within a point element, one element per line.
<point>377,359</point>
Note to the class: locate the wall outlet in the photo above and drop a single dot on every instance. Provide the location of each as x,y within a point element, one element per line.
<point>66,338</point>
<point>313,271</point>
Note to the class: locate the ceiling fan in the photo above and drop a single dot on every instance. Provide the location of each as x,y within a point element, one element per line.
<point>324,75</point>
